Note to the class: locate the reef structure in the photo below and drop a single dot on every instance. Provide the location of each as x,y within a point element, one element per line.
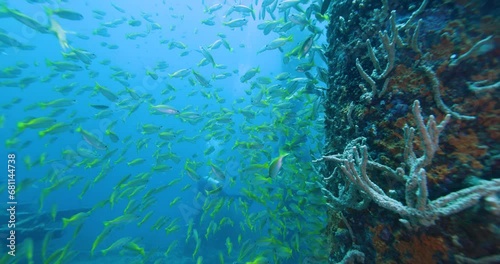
<point>412,119</point>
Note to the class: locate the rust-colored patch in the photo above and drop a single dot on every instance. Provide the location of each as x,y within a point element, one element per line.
<point>467,148</point>
<point>406,79</point>
<point>443,49</point>
<point>401,122</point>
<point>379,245</point>
<point>489,117</point>
<point>457,28</point>
<point>489,25</point>
<point>487,74</point>
<point>422,249</point>
<point>439,173</point>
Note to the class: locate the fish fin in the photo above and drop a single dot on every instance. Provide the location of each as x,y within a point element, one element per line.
<point>48,11</point>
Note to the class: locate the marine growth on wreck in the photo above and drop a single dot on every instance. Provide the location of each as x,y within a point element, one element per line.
<point>411,155</point>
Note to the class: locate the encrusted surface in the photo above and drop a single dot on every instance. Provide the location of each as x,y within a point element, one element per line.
<point>468,149</point>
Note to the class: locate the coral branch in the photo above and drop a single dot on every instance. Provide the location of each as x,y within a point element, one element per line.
<point>479,87</point>
<point>366,77</point>
<point>353,256</point>
<point>414,38</point>
<point>415,14</point>
<point>418,210</point>
<point>437,95</point>
<point>390,48</point>
<point>476,48</point>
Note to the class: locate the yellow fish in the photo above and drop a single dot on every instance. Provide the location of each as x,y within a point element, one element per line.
<point>76,219</point>
<point>229,246</point>
<point>175,201</point>
<point>123,219</point>
<point>40,122</point>
<point>259,260</point>
<point>134,247</point>
<point>99,239</point>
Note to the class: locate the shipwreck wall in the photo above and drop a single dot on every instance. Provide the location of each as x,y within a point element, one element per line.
<point>383,56</point>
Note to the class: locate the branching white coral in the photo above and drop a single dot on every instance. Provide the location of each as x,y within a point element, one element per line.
<point>417,209</point>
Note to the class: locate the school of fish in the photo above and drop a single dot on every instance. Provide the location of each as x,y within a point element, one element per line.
<point>96,136</point>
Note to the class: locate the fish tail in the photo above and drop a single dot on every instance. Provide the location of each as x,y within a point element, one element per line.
<point>48,62</point>
<point>4,8</point>
<point>42,105</point>
<point>41,133</point>
<point>21,126</point>
<point>48,11</point>
<point>97,87</point>
<point>283,153</point>
<point>65,222</point>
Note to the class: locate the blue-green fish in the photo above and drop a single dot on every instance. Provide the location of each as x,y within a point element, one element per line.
<point>239,22</point>
<point>276,164</point>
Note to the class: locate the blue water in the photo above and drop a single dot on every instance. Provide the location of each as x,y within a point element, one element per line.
<point>285,216</point>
